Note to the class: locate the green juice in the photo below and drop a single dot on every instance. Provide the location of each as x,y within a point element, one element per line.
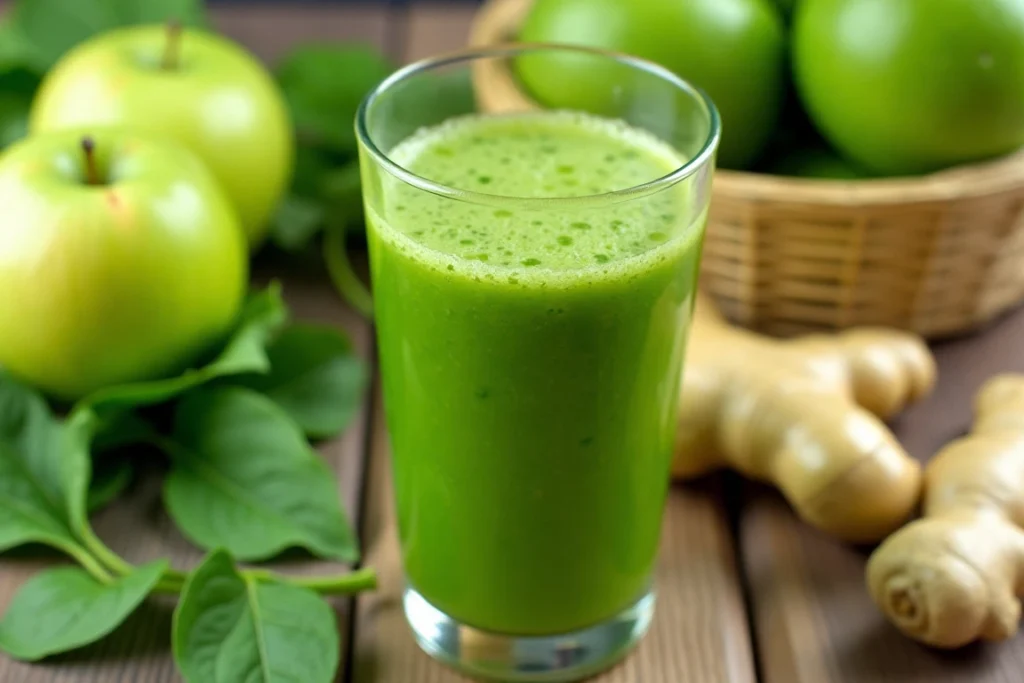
<point>531,354</point>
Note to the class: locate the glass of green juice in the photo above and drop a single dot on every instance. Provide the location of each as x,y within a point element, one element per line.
<point>534,266</point>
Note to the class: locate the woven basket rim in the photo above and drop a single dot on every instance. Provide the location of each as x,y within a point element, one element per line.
<point>497,20</point>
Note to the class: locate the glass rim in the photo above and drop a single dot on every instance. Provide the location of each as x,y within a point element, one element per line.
<point>687,169</point>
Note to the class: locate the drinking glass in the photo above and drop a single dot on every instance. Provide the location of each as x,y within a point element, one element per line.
<point>532,403</point>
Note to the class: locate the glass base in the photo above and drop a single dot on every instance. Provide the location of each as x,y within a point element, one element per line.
<point>548,659</point>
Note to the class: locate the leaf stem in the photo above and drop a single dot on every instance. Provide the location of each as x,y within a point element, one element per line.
<point>173,581</point>
<point>347,284</point>
<point>338,584</point>
<point>89,563</point>
<point>105,555</point>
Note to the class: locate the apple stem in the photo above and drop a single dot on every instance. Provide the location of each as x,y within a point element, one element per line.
<point>92,173</point>
<point>172,48</point>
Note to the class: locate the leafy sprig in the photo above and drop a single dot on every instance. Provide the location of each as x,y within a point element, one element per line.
<point>244,483</point>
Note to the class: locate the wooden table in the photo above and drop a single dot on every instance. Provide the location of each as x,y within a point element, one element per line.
<point>745,592</point>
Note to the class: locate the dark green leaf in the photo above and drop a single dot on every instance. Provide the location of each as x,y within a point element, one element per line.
<point>109,480</point>
<point>52,27</point>
<point>311,165</point>
<point>341,192</point>
<point>244,478</point>
<point>120,429</point>
<point>44,471</point>
<point>296,223</point>
<point>315,377</point>
<point>244,352</point>
<point>17,87</point>
<point>188,12</point>
<point>229,628</point>
<point>323,85</point>
<point>13,117</point>
<point>64,608</point>
<point>17,51</point>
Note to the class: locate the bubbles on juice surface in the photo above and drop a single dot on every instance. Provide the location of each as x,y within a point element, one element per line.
<point>562,155</point>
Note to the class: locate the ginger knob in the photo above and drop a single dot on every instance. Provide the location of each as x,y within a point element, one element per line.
<point>801,414</point>
<point>956,574</point>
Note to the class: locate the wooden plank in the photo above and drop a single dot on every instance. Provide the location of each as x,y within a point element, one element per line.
<point>136,526</point>
<point>433,28</point>
<point>700,630</point>
<point>814,620</point>
<point>270,29</point>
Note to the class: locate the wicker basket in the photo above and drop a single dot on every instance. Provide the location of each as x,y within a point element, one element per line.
<point>938,254</point>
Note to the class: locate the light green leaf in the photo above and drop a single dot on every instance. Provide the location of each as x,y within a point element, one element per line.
<point>64,608</point>
<point>316,377</point>
<point>244,478</point>
<point>44,471</point>
<point>244,352</point>
<point>229,628</point>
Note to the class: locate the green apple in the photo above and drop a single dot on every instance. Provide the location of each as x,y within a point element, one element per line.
<point>733,49</point>
<point>121,260</point>
<point>197,88</point>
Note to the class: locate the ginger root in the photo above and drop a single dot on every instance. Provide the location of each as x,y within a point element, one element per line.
<point>954,576</point>
<point>804,415</point>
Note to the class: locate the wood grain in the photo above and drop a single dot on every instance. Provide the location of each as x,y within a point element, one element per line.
<point>814,620</point>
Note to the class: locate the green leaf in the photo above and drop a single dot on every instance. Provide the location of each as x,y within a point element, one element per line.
<point>341,193</point>
<point>297,222</point>
<point>17,51</point>
<point>315,377</point>
<point>44,471</point>
<point>245,352</point>
<point>64,608</point>
<point>109,481</point>
<point>52,27</point>
<point>17,87</point>
<point>324,84</point>
<point>244,478</point>
<point>188,12</point>
<point>229,628</point>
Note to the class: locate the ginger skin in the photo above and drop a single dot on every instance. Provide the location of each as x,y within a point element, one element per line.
<point>804,415</point>
<point>956,574</point>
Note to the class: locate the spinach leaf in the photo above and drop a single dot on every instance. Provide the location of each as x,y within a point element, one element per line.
<point>16,50</point>
<point>323,85</point>
<point>110,479</point>
<point>296,223</point>
<point>64,608</point>
<point>17,88</point>
<point>52,27</point>
<point>316,377</point>
<point>229,627</point>
<point>326,190</point>
<point>244,478</point>
<point>341,193</point>
<point>43,471</point>
<point>245,351</point>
